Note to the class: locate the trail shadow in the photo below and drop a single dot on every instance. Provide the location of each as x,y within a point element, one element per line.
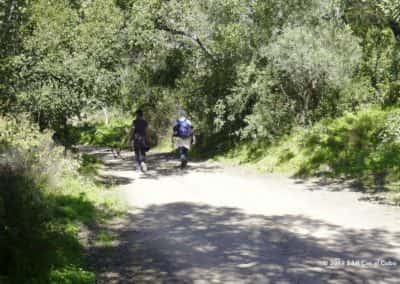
<point>112,180</point>
<point>379,196</point>
<point>109,164</point>
<point>99,152</point>
<point>191,243</point>
<point>335,185</point>
<point>159,165</point>
<point>167,164</point>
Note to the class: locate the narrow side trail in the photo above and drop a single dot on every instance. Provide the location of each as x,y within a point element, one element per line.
<point>209,224</point>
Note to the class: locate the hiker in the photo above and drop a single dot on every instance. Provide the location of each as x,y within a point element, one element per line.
<point>138,140</point>
<point>183,133</point>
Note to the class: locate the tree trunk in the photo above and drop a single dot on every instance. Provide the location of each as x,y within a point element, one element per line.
<point>309,91</point>
<point>304,111</point>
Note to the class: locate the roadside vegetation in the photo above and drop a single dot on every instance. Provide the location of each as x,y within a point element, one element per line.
<point>363,147</point>
<point>44,204</point>
<point>114,134</point>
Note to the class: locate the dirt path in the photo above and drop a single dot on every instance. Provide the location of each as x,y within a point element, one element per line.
<point>213,225</point>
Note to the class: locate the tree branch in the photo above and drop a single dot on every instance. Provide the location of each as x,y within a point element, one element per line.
<point>164,27</point>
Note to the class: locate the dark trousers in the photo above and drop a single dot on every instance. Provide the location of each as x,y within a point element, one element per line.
<point>183,153</point>
<point>140,154</point>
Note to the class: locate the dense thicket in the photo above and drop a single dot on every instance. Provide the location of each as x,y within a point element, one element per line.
<point>45,198</point>
<point>242,69</point>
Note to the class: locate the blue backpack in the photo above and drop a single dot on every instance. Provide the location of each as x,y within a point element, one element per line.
<point>184,128</point>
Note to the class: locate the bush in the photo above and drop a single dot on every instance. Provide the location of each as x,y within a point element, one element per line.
<point>43,201</point>
<point>25,231</point>
<point>90,165</point>
<point>361,145</point>
<point>114,134</point>
<point>72,275</point>
<point>364,146</point>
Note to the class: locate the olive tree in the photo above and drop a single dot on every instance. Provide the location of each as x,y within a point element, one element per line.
<point>310,60</point>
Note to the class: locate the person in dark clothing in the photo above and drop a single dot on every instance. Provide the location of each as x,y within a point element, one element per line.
<point>138,139</point>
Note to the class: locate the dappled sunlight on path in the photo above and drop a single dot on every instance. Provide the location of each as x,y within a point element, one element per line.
<point>212,225</point>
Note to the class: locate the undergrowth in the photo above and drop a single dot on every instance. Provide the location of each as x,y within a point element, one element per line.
<point>45,201</point>
<point>364,146</point>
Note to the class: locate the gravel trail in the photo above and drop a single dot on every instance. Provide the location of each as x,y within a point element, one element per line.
<point>212,224</point>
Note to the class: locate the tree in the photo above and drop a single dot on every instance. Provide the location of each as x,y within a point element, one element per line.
<point>310,60</point>
<point>71,59</point>
<point>13,17</point>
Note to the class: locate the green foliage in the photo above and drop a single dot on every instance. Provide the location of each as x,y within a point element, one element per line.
<point>43,201</point>
<point>357,95</point>
<point>312,62</point>
<point>13,17</point>
<point>114,134</point>
<point>111,135</point>
<point>23,146</point>
<point>24,217</point>
<point>68,70</point>
<point>72,275</point>
<point>105,238</point>
<point>240,68</point>
<point>348,146</point>
<point>90,165</point>
<point>363,146</point>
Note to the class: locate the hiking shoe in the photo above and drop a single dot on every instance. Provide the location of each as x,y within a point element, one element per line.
<point>144,167</point>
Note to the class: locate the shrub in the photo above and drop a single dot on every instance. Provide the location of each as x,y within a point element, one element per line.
<point>25,230</point>
<point>114,134</point>
<point>40,210</point>
<point>364,146</point>
<point>24,148</point>
<point>72,275</point>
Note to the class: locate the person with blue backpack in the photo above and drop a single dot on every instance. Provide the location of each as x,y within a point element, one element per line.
<point>183,132</point>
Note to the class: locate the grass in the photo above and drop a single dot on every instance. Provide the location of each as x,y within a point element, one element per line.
<point>40,222</point>
<point>362,146</point>
<point>39,242</point>
<point>90,165</point>
<point>72,275</point>
<point>105,238</point>
<point>81,201</point>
